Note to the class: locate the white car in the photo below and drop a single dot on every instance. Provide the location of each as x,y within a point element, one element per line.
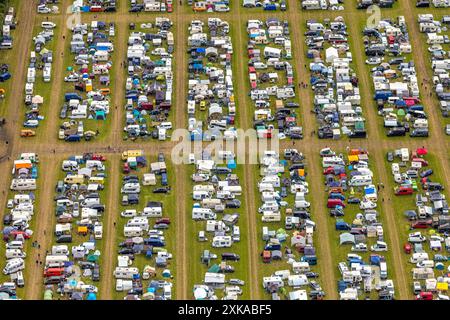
<point>71,78</point>
<point>379,246</point>
<point>447,129</point>
<point>128,213</point>
<point>367,204</point>
<point>436,237</point>
<point>435,47</point>
<point>373,60</point>
<point>416,237</point>
<point>359,247</point>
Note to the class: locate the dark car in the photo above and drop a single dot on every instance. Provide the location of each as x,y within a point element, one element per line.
<point>311,274</point>
<point>419,133</point>
<point>396,132</point>
<point>233,204</point>
<point>86,265</point>
<point>353,200</point>
<point>230,256</point>
<point>423,4</point>
<point>64,239</point>
<point>426,173</point>
<point>390,156</point>
<point>7,219</point>
<point>63,113</point>
<point>96,273</point>
<point>162,190</point>
<point>161,226</point>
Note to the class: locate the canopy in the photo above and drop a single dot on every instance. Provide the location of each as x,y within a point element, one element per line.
<point>346,238</point>
<point>37,100</point>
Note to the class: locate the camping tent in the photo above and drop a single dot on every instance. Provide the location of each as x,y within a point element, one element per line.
<point>346,238</point>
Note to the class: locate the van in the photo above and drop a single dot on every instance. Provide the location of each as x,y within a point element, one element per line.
<point>222,242</point>
<point>126,272</point>
<point>200,195</point>
<point>332,203</point>
<point>23,184</point>
<point>130,188</point>
<point>60,250</point>
<point>14,265</point>
<point>152,212</point>
<point>14,253</point>
<point>236,234</point>
<point>133,232</point>
<point>203,214</point>
<point>14,245</point>
<point>269,216</point>
<point>74,179</point>
<point>131,153</point>
<point>363,180</point>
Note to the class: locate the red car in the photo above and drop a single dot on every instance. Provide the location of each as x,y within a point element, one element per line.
<point>403,191</point>
<point>421,224</point>
<point>169,7</point>
<point>98,157</point>
<point>407,248</point>
<point>126,168</point>
<point>425,296</point>
<point>329,170</point>
<point>421,160</point>
<point>163,220</point>
<point>16,233</point>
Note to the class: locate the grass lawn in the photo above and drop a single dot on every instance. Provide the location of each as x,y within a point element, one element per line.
<point>267,269</point>
<point>169,202</point>
<point>27,248</point>
<point>403,203</point>
<point>103,126</point>
<point>340,252</point>
<point>78,239</point>
<point>8,57</point>
<point>146,119</point>
<point>40,87</point>
<point>282,75</point>
<point>196,270</point>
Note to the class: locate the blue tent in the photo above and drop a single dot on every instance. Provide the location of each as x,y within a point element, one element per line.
<point>100,115</point>
<point>91,296</point>
<point>400,103</point>
<point>231,164</point>
<point>198,66</point>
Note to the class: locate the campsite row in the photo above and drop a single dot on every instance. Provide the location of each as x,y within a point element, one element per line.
<point>334,82</point>
<point>94,6</point>
<point>86,105</point>
<point>72,264</point>
<point>211,105</point>
<point>151,6</point>
<point>271,76</point>
<point>6,42</point>
<point>395,82</point>
<point>421,204</point>
<point>48,6</point>
<point>39,76</point>
<point>289,273</point>
<point>323,5</point>
<point>9,24</point>
<point>149,86</point>
<point>145,229</point>
<point>218,218</point>
<point>17,223</point>
<point>437,36</point>
<point>352,195</point>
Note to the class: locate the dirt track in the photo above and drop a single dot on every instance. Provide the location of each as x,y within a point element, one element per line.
<point>376,144</point>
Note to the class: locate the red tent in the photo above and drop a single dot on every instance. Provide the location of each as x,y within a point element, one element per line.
<point>422,151</point>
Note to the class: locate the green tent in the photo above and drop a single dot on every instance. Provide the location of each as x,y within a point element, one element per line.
<point>214,268</point>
